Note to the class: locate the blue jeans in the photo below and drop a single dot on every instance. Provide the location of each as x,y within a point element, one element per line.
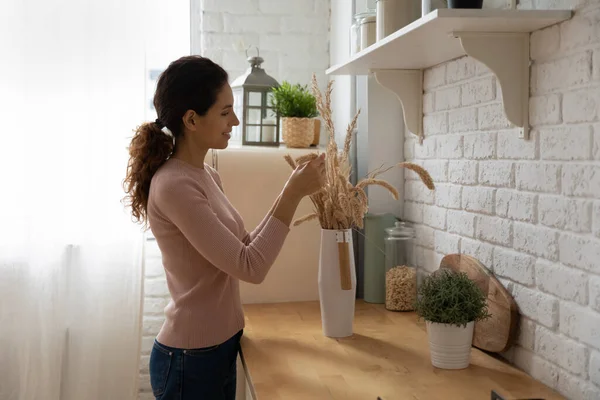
<point>195,374</point>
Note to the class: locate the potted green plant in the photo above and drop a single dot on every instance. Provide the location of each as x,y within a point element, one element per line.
<point>297,108</point>
<point>450,303</point>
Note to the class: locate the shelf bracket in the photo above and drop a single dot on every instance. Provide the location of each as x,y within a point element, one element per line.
<point>507,56</point>
<point>407,85</point>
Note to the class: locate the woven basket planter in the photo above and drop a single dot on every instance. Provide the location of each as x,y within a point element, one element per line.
<point>298,132</point>
<point>317,137</point>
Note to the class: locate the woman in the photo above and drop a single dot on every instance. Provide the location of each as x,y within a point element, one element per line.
<point>205,248</point>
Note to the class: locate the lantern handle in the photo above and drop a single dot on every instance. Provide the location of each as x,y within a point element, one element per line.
<point>257,50</point>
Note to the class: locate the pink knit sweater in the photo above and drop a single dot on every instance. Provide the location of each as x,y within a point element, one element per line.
<point>205,252</point>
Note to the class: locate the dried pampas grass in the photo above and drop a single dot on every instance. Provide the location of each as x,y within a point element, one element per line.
<point>340,205</point>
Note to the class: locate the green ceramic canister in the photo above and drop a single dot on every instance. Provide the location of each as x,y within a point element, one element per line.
<point>374,256</point>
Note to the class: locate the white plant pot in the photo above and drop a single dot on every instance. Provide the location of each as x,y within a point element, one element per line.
<point>337,300</point>
<point>450,345</point>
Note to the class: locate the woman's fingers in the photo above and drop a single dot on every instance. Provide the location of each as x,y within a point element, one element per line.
<point>320,161</point>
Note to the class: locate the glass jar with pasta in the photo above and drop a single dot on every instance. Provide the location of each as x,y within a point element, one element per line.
<point>400,272</point>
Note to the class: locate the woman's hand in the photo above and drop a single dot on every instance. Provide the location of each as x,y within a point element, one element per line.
<point>308,178</point>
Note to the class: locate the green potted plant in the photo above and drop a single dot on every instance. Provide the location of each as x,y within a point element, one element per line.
<point>450,303</point>
<point>297,107</point>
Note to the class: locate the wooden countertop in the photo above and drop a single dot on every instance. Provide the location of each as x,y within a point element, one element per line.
<point>287,357</point>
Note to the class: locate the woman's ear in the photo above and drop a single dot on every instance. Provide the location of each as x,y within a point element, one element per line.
<point>190,121</point>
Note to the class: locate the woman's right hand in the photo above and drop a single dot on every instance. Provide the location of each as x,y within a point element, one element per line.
<point>309,177</point>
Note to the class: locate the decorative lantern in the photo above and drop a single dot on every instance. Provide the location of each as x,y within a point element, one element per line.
<point>259,123</point>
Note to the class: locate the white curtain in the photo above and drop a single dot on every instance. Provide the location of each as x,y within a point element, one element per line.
<point>71,90</point>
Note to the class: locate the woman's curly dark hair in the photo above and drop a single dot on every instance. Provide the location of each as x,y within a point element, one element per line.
<point>189,83</point>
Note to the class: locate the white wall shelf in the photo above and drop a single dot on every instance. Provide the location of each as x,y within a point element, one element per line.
<point>497,38</point>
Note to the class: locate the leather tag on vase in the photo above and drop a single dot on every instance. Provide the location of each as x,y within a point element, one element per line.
<point>344,261</point>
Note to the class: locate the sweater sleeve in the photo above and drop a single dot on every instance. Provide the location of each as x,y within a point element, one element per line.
<point>184,204</point>
<point>248,237</point>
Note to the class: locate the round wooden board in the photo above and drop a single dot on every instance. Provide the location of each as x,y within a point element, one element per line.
<point>497,333</point>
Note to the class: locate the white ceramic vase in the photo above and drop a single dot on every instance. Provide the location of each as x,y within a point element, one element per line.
<point>337,285</point>
<point>450,345</point>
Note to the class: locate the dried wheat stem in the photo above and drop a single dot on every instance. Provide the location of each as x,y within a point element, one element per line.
<point>324,108</point>
<point>341,219</point>
<point>422,172</point>
<point>358,212</point>
<point>345,170</point>
<point>290,161</point>
<point>339,204</point>
<point>306,218</point>
<point>349,132</point>
<point>360,194</point>
<point>372,181</point>
<point>306,158</point>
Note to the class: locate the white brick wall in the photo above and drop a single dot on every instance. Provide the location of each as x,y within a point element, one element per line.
<point>529,210</point>
<point>526,338</point>
<point>515,266</point>
<point>478,199</point>
<point>293,36</point>
<point>462,172</point>
<point>461,223</point>
<point>564,213</point>
<point>155,300</point>
<point>448,196</point>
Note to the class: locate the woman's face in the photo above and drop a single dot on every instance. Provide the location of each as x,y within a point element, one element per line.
<point>213,130</point>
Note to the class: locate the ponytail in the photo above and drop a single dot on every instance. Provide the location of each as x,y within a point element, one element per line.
<point>189,83</point>
<point>149,149</point>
